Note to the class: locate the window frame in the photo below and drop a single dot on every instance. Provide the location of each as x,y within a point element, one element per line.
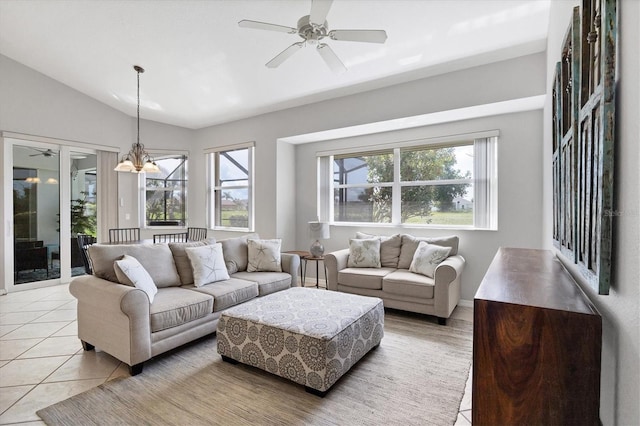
<point>214,217</point>
<point>484,180</point>
<point>142,183</point>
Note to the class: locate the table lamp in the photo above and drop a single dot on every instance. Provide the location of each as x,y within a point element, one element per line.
<point>319,231</point>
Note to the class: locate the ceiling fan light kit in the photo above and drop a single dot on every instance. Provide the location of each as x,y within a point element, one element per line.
<point>312,29</point>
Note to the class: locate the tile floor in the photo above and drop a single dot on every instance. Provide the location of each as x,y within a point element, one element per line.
<point>42,361</point>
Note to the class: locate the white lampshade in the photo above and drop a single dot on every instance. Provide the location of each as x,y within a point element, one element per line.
<point>319,230</point>
<point>125,166</point>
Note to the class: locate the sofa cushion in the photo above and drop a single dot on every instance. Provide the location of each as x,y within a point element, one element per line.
<point>389,248</point>
<point>410,244</point>
<point>407,283</point>
<point>229,292</point>
<point>364,253</point>
<point>370,278</point>
<point>183,265</point>
<point>427,258</point>
<point>130,272</point>
<point>268,282</point>
<point>176,306</point>
<point>235,252</point>
<point>155,258</point>
<point>264,255</point>
<point>208,264</point>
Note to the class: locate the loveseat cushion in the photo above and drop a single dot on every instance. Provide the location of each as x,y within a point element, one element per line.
<point>410,244</point>
<point>175,306</point>
<point>407,283</point>
<point>268,282</point>
<point>228,293</point>
<point>370,278</point>
<point>155,258</point>
<point>389,248</point>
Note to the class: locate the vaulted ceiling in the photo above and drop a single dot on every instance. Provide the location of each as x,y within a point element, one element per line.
<point>203,69</point>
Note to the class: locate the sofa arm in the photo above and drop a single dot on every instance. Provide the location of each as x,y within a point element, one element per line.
<point>113,317</point>
<point>335,262</point>
<point>447,285</point>
<point>290,264</point>
<point>449,269</point>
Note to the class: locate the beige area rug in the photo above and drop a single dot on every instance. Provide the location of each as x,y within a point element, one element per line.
<point>415,377</point>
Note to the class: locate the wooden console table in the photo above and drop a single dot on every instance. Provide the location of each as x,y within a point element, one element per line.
<point>536,344</point>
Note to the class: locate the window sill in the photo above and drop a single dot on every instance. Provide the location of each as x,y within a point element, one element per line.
<point>408,226</point>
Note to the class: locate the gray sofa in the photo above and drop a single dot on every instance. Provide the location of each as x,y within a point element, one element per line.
<point>120,320</point>
<point>394,283</point>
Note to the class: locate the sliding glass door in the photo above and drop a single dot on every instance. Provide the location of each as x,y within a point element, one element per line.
<point>54,199</point>
<point>36,207</point>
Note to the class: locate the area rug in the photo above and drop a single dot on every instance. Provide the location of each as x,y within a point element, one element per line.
<point>415,377</point>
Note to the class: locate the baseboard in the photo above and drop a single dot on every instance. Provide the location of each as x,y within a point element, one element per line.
<point>466,303</point>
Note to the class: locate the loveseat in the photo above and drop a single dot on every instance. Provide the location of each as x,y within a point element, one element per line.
<point>134,317</point>
<point>391,278</point>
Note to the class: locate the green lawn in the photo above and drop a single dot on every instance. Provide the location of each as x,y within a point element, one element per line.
<point>447,218</point>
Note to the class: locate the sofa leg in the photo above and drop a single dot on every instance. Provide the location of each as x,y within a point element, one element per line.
<point>134,370</point>
<point>87,346</point>
<point>442,321</point>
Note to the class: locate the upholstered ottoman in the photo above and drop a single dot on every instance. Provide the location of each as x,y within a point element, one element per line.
<point>309,336</point>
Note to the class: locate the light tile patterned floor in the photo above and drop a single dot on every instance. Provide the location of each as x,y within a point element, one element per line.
<point>42,361</point>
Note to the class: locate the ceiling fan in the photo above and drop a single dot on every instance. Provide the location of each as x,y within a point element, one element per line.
<point>45,152</point>
<point>312,29</point>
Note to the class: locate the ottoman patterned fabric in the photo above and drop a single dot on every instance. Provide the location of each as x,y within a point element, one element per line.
<point>309,336</point>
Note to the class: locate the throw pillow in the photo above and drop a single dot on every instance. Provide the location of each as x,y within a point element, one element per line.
<point>155,258</point>
<point>410,244</point>
<point>364,253</point>
<point>264,256</point>
<point>235,252</point>
<point>389,248</point>
<point>130,272</point>
<point>208,264</point>
<point>183,264</point>
<point>427,257</point>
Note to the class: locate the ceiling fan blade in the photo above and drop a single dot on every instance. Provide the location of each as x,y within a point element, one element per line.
<point>331,58</point>
<point>284,55</point>
<point>319,11</point>
<point>256,25</point>
<point>367,36</point>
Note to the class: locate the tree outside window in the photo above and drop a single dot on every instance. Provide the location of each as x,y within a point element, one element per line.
<point>422,185</point>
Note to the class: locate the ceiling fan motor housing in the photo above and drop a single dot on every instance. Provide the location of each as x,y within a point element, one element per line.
<point>311,32</point>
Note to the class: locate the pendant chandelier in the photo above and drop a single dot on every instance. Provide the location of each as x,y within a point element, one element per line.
<point>137,160</point>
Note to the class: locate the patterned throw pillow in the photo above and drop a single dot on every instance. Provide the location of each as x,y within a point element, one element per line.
<point>264,255</point>
<point>364,253</point>
<point>207,263</point>
<point>130,272</point>
<point>427,257</point>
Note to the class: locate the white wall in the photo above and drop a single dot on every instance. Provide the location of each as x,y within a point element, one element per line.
<point>621,308</point>
<point>34,104</point>
<point>511,79</point>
